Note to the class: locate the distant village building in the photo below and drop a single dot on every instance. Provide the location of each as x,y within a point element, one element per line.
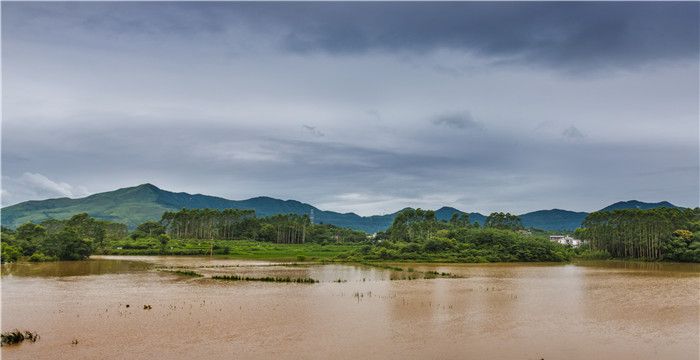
<point>565,240</point>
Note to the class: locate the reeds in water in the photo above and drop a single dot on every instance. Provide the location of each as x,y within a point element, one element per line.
<point>186,273</point>
<point>265,279</point>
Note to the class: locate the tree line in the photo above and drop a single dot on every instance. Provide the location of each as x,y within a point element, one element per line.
<point>72,239</point>
<point>655,234</point>
<point>412,225</point>
<point>417,234</point>
<point>235,224</point>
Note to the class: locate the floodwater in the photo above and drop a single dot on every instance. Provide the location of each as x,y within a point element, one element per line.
<point>609,310</point>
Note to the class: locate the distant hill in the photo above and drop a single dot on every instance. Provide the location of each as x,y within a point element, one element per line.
<point>135,205</point>
<point>555,219</point>
<point>634,204</point>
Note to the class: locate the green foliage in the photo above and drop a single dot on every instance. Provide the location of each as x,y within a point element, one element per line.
<point>439,244</point>
<point>460,220</point>
<point>654,234</point>
<point>40,257</point>
<point>499,220</point>
<point>30,231</point>
<point>469,244</point>
<point>588,254</point>
<point>243,249</point>
<point>67,245</point>
<point>148,229</point>
<point>9,253</point>
<point>71,239</point>
<point>413,225</point>
<point>233,224</point>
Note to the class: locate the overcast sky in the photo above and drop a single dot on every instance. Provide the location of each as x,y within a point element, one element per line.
<point>362,107</point>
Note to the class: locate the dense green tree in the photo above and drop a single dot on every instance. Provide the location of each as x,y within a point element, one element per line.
<point>413,225</point>
<point>500,220</point>
<point>67,245</point>
<point>654,234</point>
<point>30,231</point>
<point>460,220</point>
<point>9,253</point>
<point>70,239</point>
<point>148,229</point>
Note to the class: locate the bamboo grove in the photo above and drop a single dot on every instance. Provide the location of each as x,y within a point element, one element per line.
<point>656,234</point>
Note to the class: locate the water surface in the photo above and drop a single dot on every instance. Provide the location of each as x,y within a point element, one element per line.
<point>609,310</point>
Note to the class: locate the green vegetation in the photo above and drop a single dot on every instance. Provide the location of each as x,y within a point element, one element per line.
<point>499,220</point>
<point>415,235</point>
<point>72,239</point>
<point>655,234</point>
<point>185,273</point>
<point>265,279</point>
<point>237,249</point>
<point>16,336</point>
<point>232,224</point>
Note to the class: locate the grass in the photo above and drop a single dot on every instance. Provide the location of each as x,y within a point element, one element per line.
<point>265,279</point>
<point>382,266</point>
<point>16,337</point>
<point>235,249</point>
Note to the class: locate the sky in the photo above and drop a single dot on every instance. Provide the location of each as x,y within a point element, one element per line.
<point>355,107</point>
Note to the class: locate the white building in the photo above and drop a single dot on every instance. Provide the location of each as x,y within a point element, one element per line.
<point>565,240</point>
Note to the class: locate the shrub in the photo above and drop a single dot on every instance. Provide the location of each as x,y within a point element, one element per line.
<point>439,244</point>
<point>9,253</point>
<point>40,257</point>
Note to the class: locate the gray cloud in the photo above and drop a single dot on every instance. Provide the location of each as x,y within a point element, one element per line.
<point>565,35</point>
<point>457,121</point>
<point>230,99</point>
<point>34,185</point>
<point>573,133</point>
<point>313,130</point>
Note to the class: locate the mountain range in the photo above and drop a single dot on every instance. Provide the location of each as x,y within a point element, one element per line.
<point>135,205</point>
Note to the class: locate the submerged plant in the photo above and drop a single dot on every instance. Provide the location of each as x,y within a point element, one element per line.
<point>185,273</point>
<point>16,336</point>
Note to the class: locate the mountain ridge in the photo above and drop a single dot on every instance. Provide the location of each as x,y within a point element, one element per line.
<point>137,204</point>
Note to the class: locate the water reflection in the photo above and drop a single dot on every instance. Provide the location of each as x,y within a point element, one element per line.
<point>73,268</point>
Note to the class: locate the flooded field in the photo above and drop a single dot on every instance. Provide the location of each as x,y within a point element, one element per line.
<point>95,310</point>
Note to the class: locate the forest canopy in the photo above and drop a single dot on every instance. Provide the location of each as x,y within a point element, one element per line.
<point>670,234</point>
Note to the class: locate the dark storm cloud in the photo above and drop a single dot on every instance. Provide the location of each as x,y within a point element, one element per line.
<point>561,34</point>
<point>565,34</point>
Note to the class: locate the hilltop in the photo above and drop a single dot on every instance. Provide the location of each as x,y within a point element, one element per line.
<point>135,205</point>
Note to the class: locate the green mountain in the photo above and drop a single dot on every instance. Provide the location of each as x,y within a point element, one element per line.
<point>135,205</point>
<point>634,204</point>
<point>554,220</point>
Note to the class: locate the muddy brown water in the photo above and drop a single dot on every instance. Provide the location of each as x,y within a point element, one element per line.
<point>608,310</point>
